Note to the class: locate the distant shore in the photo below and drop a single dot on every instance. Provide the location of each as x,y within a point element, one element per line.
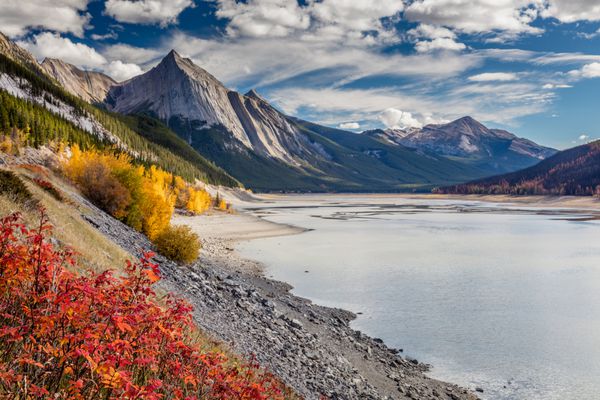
<point>573,202</point>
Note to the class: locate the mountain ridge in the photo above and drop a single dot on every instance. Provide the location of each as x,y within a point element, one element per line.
<point>262,147</point>
<point>90,86</point>
<point>575,171</point>
<point>467,139</point>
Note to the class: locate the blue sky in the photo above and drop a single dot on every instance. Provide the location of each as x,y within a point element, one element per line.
<point>529,66</point>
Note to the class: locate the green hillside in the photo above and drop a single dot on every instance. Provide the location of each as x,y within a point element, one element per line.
<point>44,126</point>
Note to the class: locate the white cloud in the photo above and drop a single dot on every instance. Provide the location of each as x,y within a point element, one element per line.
<point>502,103</point>
<point>477,16</point>
<point>249,62</point>
<point>349,125</point>
<point>556,86</point>
<point>109,35</point>
<point>431,32</point>
<point>263,18</point>
<point>163,12</point>
<point>356,21</point>
<point>573,10</point>
<point>397,119</point>
<point>132,54</point>
<point>446,44</point>
<point>494,76</point>
<point>121,71</point>
<point>583,137</point>
<point>52,45</point>
<point>18,16</point>
<point>591,70</point>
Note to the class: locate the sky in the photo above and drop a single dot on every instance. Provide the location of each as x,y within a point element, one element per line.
<point>529,66</point>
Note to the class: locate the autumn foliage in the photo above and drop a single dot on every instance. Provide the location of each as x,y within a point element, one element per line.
<point>102,336</point>
<point>178,243</point>
<point>143,197</point>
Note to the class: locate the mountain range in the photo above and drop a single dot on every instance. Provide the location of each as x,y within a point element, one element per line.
<point>572,172</point>
<point>465,139</point>
<point>267,150</point>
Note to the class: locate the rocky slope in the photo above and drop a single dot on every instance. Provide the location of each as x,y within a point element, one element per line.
<point>88,85</point>
<point>16,53</point>
<point>311,348</point>
<point>471,141</point>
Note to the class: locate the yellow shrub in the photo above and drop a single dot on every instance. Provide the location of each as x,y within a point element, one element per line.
<point>144,198</point>
<point>179,244</point>
<point>198,201</point>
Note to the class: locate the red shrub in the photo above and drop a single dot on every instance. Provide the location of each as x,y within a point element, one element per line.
<point>63,335</point>
<point>48,187</point>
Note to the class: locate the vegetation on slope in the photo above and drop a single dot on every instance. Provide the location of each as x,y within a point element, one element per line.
<point>143,198</point>
<point>65,335</point>
<point>574,171</point>
<point>157,132</point>
<point>43,126</point>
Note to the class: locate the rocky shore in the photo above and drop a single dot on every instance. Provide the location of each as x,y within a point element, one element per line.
<point>311,348</point>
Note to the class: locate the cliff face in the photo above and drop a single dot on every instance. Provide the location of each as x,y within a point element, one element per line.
<point>89,85</point>
<point>177,89</point>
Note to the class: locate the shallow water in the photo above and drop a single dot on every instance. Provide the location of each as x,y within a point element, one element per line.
<point>506,299</point>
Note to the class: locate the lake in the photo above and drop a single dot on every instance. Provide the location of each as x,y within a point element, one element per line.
<point>506,298</point>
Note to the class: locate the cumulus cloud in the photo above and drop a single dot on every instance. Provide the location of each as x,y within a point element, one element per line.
<point>133,54</point>
<point>18,16</point>
<point>477,16</point>
<point>446,44</point>
<point>494,76</point>
<point>163,12</point>
<point>349,125</point>
<point>572,10</point>
<point>52,45</point>
<point>121,71</point>
<point>328,20</point>
<point>591,70</point>
<point>397,119</point>
<point>263,18</point>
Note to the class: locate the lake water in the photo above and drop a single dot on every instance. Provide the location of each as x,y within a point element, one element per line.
<point>502,298</point>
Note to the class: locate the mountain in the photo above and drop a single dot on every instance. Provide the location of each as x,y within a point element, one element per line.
<point>267,150</point>
<point>181,93</point>
<point>575,171</point>
<point>31,100</point>
<point>18,54</point>
<point>467,140</point>
<point>88,85</point>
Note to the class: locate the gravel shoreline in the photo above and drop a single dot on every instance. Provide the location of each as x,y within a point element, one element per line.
<point>311,348</point>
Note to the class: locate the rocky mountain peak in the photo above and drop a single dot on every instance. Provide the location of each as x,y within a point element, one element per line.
<point>91,86</point>
<point>253,94</point>
<point>463,126</point>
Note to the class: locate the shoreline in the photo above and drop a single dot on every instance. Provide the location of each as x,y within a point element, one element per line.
<point>219,251</point>
<point>316,351</point>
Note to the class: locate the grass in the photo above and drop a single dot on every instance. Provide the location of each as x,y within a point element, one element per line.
<point>93,249</point>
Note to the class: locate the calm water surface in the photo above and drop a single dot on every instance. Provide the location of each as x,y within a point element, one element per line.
<point>503,299</point>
